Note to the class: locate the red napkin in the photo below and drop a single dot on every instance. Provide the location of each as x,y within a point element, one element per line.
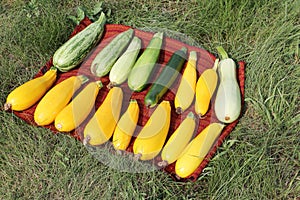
<point>205,61</point>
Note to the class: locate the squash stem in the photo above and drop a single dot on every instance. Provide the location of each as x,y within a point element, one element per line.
<point>177,177</point>
<point>202,116</point>
<point>99,84</point>
<point>193,55</point>
<point>184,49</point>
<point>216,64</point>
<point>159,35</point>
<point>191,115</point>
<point>83,78</point>
<point>53,68</point>
<point>110,85</point>
<point>137,156</point>
<point>7,106</point>
<point>119,152</point>
<point>86,140</point>
<point>59,126</point>
<point>133,101</point>
<point>102,18</point>
<point>222,53</point>
<point>179,110</point>
<point>162,163</point>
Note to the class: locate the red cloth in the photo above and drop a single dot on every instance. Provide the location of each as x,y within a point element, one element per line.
<point>205,61</point>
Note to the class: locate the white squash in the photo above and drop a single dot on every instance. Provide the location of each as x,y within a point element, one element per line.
<point>228,98</point>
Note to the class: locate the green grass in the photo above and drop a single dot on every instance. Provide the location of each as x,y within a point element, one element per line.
<point>259,160</point>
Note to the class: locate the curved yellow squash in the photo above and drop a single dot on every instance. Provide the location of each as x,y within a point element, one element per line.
<point>56,99</point>
<point>126,126</point>
<point>27,94</point>
<point>186,90</point>
<point>102,125</point>
<point>205,88</point>
<point>197,149</point>
<point>151,138</point>
<point>178,140</point>
<point>78,109</point>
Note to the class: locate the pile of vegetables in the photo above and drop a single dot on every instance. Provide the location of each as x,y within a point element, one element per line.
<point>121,60</point>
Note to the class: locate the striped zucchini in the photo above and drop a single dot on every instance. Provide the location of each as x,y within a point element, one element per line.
<point>166,78</point>
<point>72,53</point>
<point>105,59</point>
<point>121,69</point>
<point>143,67</point>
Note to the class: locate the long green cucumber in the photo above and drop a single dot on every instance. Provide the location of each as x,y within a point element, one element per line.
<point>166,78</point>
<point>121,69</point>
<point>105,59</point>
<point>141,71</point>
<point>72,52</point>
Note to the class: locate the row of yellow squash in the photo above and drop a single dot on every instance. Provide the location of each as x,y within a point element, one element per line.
<point>67,116</point>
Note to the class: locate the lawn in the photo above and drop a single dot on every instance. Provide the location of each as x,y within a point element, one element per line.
<point>259,160</point>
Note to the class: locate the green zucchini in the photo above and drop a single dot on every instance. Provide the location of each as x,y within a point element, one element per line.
<point>105,59</point>
<point>143,67</point>
<point>166,78</point>
<point>121,69</point>
<point>72,52</point>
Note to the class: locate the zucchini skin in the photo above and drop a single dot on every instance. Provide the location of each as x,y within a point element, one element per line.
<point>166,78</point>
<point>72,52</point>
<point>107,57</point>
<point>122,67</point>
<point>142,69</point>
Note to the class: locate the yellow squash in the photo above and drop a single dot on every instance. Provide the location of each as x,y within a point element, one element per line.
<point>151,138</point>
<point>178,140</point>
<point>27,94</point>
<point>56,99</point>
<point>126,126</point>
<point>102,125</point>
<point>205,89</point>
<point>78,109</point>
<point>197,149</point>
<point>186,90</point>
